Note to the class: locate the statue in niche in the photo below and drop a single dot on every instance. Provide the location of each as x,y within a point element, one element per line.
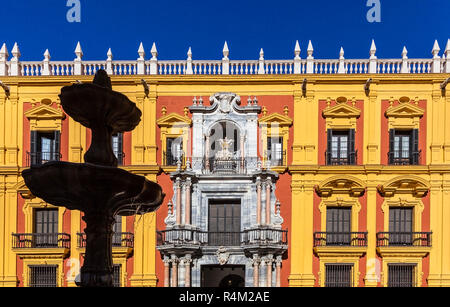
<point>225,153</point>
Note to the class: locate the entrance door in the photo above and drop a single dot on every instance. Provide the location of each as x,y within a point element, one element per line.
<point>223,276</point>
<point>224,227</point>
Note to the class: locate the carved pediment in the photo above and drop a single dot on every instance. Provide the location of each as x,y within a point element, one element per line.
<point>341,110</point>
<point>405,185</point>
<point>341,185</point>
<point>45,112</point>
<point>276,118</point>
<point>405,110</point>
<point>174,120</point>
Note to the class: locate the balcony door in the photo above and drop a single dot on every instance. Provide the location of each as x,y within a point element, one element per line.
<point>339,226</point>
<point>275,152</point>
<point>404,147</point>
<point>400,226</point>
<point>46,227</point>
<point>341,147</point>
<point>224,225</point>
<point>44,146</point>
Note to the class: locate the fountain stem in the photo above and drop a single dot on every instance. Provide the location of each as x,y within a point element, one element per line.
<point>100,152</point>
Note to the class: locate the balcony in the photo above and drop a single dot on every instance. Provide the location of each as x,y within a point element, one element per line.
<point>41,240</point>
<point>340,239</point>
<point>341,158</point>
<point>277,160</point>
<point>169,159</point>
<point>416,244</point>
<point>39,158</point>
<point>404,157</point>
<point>192,238</point>
<point>119,239</point>
<point>232,166</point>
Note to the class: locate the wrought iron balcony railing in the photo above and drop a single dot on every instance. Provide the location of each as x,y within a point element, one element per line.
<point>211,238</point>
<point>404,157</point>
<point>340,239</point>
<point>276,158</point>
<point>171,159</point>
<point>225,166</point>
<point>119,239</point>
<point>404,239</point>
<point>41,240</point>
<point>39,158</point>
<point>339,158</point>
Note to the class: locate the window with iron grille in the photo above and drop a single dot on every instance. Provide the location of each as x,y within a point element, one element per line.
<point>275,151</point>
<point>224,223</point>
<point>44,147</point>
<point>117,231</point>
<point>45,227</point>
<point>338,226</point>
<point>338,275</point>
<point>341,147</point>
<point>117,273</point>
<point>401,275</point>
<point>117,146</point>
<point>42,275</point>
<point>400,226</point>
<point>404,147</point>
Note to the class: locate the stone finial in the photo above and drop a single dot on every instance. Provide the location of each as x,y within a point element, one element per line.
<point>78,52</point>
<point>200,101</point>
<point>189,54</point>
<point>278,207</point>
<point>109,54</point>
<point>249,101</point>
<point>436,49</point>
<point>154,52</point>
<point>404,53</point>
<point>15,51</point>
<point>4,53</point>
<point>188,165</point>
<point>225,51</point>
<point>179,164</point>
<point>186,111</point>
<point>261,55</point>
<point>286,110</point>
<point>341,54</point>
<point>255,101</point>
<point>264,111</point>
<point>373,50</point>
<point>297,50</point>
<point>141,51</point>
<point>310,50</point>
<point>164,111</point>
<point>47,55</point>
<point>170,207</point>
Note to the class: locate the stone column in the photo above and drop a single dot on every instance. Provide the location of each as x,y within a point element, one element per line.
<point>166,272</point>
<point>178,187</point>
<point>242,153</point>
<point>258,201</point>
<point>207,146</point>
<point>256,261</point>
<point>269,261</point>
<point>268,211</point>
<point>174,279</point>
<point>187,206</point>
<point>187,268</point>
<point>278,271</point>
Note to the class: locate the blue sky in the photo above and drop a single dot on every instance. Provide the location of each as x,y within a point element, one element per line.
<point>247,26</point>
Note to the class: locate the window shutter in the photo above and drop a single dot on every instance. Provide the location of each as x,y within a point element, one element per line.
<point>120,148</point>
<point>33,147</point>
<point>415,147</point>
<point>329,140</point>
<point>391,146</point>
<point>351,147</point>
<point>57,145</point>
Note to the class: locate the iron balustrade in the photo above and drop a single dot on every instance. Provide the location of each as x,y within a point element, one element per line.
<point>169,159</point>
<point>41,240</point>
<point>225,166</point>
<point>337,158</point>
<point>276,158</point>
<point>209,238</point>
<point>340,239</point>
<point>404,157</point>
<point>404,239</point>
<point>39,158</point>
<point>119,239</point>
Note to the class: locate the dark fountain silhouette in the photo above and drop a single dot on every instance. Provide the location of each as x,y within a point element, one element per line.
<point>97,187</point>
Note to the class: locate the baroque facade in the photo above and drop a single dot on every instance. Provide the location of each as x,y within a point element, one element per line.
<point>301,172</point>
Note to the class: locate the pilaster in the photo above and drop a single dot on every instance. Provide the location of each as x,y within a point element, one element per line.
<point>437,118</point>
<point>372,119</point>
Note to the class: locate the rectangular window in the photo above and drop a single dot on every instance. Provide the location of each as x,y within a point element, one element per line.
<point>42,275</point>
<point>400,226</point>
<point>341,147</point>
<point>275,152</point>
<point>117,273</point>
<point>44,147</point>
<point>401,275</point>
<point>174,151</point>
<point>117,146</point>
<point>117,232</point>
<point>338,226</point>
<point>46,227</point>
<point>404,147</point>
<point>224,223</point>
<point>338,275</point>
